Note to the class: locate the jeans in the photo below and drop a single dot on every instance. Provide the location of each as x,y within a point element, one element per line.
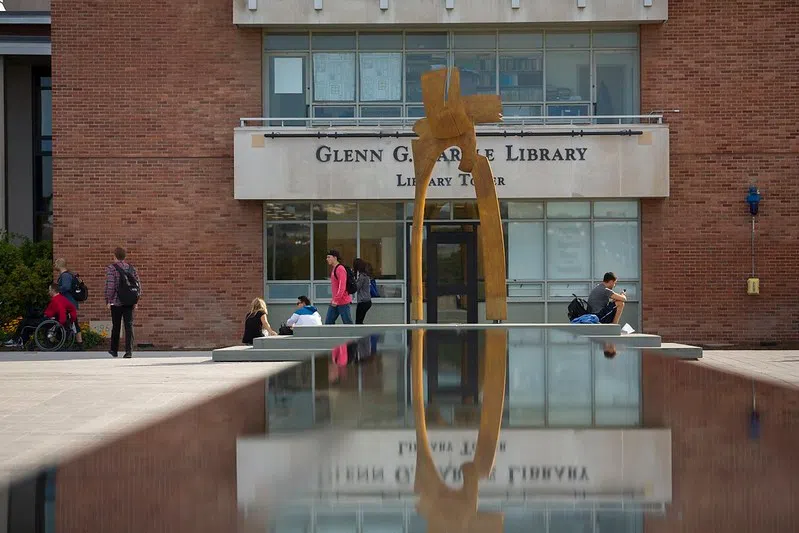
<point>118,312</point>
<point>360,311</point>
<point>334,311</point>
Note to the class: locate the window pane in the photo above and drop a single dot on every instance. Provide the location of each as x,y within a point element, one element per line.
<point>616,209</point>
<point>525,250</point>
<point>46,146</point>
<point>525,210</point>
<point>381,77</point>
<point>516,41</point>
<point>383,247</point>
<point>46,117</point>
<point>434,210</point>
<point>429,41</point>
<point>340,211</point>
<point>567,110</point>
<point>521,78</point>
<point>286,41</point>
<point>569,373</point>
<point>471,41</point>
<point>288,255</point>
<point>46,199</point>
<point>383,522</point>
<point>333,41</point>
<point>287,88</point>
<point>415,66</point>
<point>380,41</point>
<point>568,209</point>
<point>616,83</point>
<point>521,111</point>
<point>287,291</point>
<point>616,249</point>
<point>334,112</point>
<point>280,211</point>
<point>570,521</point>
<point>606,39</point>
<point>415,112</point>
<point>526,371</point>
<point>568,250</point>
<point>617,386</point>
<point>381,211</point>
<point>567,40</point>
<point>336,522</point>
<point>568,76</point>
<point>336,236</point>
<point>381,112</point>
<point>478,73</point>
<point>334,77</point>
<point>465,210</point>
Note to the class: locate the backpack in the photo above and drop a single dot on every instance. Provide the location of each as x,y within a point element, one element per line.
<point>577,307</point>
<point>373,292</point>
<point>78,289</point>
<point>128,288</point>
<point>352,288</point>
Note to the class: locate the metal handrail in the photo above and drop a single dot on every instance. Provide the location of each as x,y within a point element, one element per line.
<point>408,122</point>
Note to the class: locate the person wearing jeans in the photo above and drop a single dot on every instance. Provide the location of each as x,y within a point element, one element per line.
<point>119,312</point>
<point>363,281</point>
<point>340,303</point>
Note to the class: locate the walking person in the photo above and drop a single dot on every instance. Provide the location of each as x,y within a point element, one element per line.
<point>122,291</point>
<point>341,300</point>
<point>363,281</point>
<point>66,281</point>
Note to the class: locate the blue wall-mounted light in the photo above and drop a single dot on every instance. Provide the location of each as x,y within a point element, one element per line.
<point>753,199</point>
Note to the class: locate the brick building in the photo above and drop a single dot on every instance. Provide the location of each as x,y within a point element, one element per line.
<point>599,170</point>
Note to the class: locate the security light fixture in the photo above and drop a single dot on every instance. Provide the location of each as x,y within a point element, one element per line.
<point>647,3</point>
<point>252,5</point>
<point>317,5</point>
<point>514,4</point>
<point>581,3</point>
<point>450,4</point>
<point>753,199</point>
<point>383,4</point>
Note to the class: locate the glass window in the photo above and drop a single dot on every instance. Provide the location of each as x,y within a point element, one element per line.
<point>415,112</point>
<point>520,41</point>
<point>374,111</point>
<point>340,211</point>
<point>383,247</point>
<point>381,210</point>
<point>615,39</point>
<point>465,210</point>
<point>46,110</point>
<point>281,211</point>
<point>521,77</point>
<point>336,522</point>
<point>339,236</point>
<point>46,199</point>
<point>383,522</point>
<point>568,40</point>
<point>381,76</point>
<point>288,254</point>
<point>334,77</point>
<point>478,72</point>
<point>525,250</point>
<point>526,384</point>
<point>616,82</point>
<point>417,64</point>
<point>525,209</point>
<point>333,112</point>
<point>287,88</point>
<point>616,209</point>
<point>287,291</point>
<point>380,41</point>
<point>472,41</point>
<point>568,76</point>
<point>616,386</point>
<point>580,110</point>
<point>577,521</point>
<point>521,111</point>
<point>616,249</point>
<point>569,378</point>
<point>568,250</point>
<point>433,210</point>
<point>568,209</point>
<point>286,41</point>
<point>426,41</point>
<point>333,41</point>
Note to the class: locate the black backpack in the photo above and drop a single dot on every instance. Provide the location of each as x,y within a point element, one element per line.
<point>79,290</point>
<point>577,307</point>
<point>128,288</point>
<point>352,288</point>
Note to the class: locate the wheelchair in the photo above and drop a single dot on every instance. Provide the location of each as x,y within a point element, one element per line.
<point>51,336</point>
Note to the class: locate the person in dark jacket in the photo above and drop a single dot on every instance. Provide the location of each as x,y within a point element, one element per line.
<point>363,282</point>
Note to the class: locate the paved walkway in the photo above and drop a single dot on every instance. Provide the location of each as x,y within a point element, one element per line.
<point>56,404</point>
<point>775,366</point>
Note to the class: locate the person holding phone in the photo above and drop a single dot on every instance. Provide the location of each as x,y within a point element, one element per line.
<point>605,303</point>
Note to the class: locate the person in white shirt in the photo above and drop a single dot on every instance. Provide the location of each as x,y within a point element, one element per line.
<point>305,315</point>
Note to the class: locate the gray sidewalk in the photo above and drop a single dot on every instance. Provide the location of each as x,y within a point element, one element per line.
<point>780,367</point>
<point>54,405</point>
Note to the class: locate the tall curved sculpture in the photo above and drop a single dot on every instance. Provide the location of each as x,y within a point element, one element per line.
<point>449,121</point>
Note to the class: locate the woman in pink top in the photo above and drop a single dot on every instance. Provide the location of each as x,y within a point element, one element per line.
<point>340,303</point>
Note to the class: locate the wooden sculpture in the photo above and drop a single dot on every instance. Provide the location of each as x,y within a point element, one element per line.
<point>450,122</point>
<point>449,510</point>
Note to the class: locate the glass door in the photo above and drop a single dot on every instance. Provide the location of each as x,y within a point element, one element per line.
<point>288,88</point>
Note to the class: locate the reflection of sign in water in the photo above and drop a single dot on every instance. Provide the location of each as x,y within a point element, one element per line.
<point>334,77</point>
<point>612,462</point>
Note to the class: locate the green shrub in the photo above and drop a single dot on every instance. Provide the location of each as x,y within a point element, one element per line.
<point>26,270</point>
<point>91,338</point>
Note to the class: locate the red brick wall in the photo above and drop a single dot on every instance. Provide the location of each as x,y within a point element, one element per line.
<point>178,475</point>
<point>731,68</point>
<point>723,482</point>
<point>145,98</point>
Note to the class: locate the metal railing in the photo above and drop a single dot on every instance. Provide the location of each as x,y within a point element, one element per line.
<point>408,122</point>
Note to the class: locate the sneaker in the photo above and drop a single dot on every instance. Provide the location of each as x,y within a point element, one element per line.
<point>127,356</point>
<point>113,354</point>
<point>11,343</point>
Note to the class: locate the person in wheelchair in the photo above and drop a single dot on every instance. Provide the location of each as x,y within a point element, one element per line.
<point>59,308</point>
